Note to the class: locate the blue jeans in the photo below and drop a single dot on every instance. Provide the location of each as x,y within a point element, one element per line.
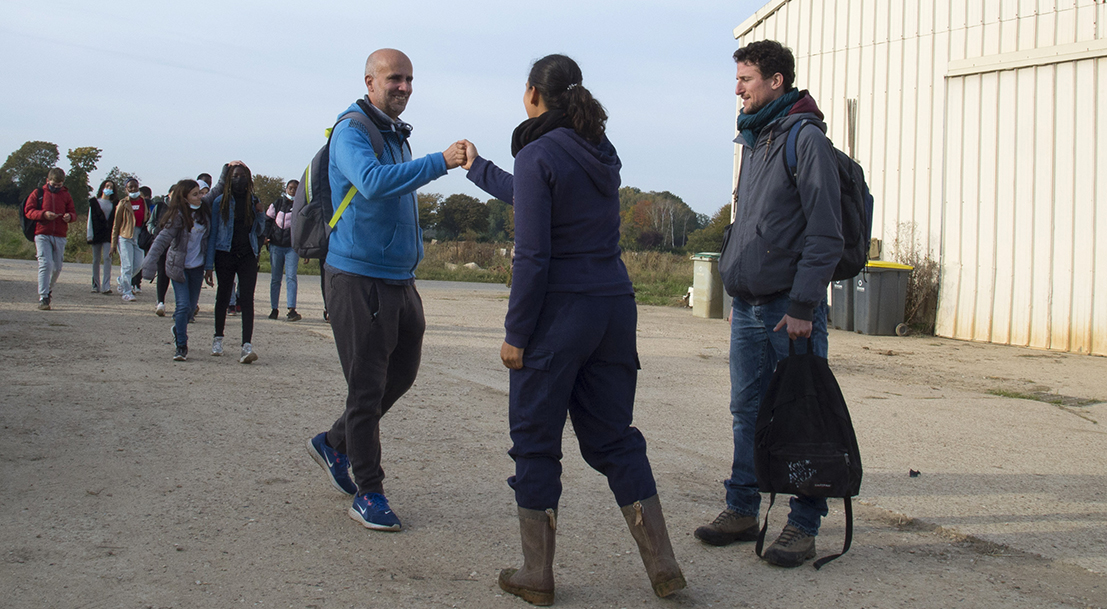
<point>50,251</point>
<point>130,259</point>
<point>283,260</point>
<point>187,294</point>
<point>754,351</point>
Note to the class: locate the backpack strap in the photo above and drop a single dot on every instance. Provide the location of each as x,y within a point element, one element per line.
<point>849,535</point>
<point>376,140</point>
<point>765,527</point>
<point>790,158</point>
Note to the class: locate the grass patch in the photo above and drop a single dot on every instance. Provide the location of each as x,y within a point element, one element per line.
<point>1042,396</point>
<point>659,278</point>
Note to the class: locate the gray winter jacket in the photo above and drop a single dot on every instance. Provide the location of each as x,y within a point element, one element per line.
<point>173,240</point>
<point>787,235</point>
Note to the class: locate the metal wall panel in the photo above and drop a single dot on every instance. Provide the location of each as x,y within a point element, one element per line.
<point>998,171</point>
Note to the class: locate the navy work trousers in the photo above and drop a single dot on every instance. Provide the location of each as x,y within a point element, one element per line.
<point>582,359</point>
<point>378,330</point>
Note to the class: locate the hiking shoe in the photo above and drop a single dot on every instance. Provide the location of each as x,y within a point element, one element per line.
<point>217,346</point>
<point>274,314</point>
<point>44,304</point>
<point>728,527</point>
<point>182,353</point>
<point>336,464</point>
<point>791,548</point>
<point>293,315</point>
<point>128,298</point>
<point>160,309</point>
<point>372,511</point>
<point>248,354</point>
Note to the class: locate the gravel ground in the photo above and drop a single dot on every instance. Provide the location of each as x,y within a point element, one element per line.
<point>129,480</point>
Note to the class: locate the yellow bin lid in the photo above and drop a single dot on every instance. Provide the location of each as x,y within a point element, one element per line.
<point>884,264</point>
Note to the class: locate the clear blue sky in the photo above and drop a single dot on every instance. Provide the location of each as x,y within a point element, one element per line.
<point>168,90</point>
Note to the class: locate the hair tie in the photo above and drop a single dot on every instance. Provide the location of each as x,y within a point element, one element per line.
<point>572,85</point>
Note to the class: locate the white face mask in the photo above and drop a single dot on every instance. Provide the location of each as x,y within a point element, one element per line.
<point>133,195</point>
<point>194,206</point>
<point>288,196</point>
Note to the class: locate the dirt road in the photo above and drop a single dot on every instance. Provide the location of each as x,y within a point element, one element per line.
<point>128,480</point>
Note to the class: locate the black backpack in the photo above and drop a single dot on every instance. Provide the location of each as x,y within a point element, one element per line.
<point>857,206</point>
<point>27,224</point>
<point>313,213</point>
<point>804,442</point>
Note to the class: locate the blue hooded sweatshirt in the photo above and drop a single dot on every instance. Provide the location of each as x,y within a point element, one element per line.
<point>378,234</point>
<point>566,196</point>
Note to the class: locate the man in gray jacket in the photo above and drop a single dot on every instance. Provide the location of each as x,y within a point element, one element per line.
<point>780,255</point>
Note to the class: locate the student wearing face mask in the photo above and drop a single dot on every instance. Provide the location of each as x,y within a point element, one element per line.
<point>158,209</point>
<point>51,208</point>
<point>130,213</point>
<point>236,233</point>
<point>101,216</point>
<point>282,257</point>
<point>178,251</point>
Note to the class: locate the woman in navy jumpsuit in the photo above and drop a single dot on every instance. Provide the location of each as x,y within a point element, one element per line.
<point>570,326</point>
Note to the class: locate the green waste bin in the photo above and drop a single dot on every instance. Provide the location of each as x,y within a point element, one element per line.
<point>879,298</point>
<point>841,305</point>
<point>707,286</point>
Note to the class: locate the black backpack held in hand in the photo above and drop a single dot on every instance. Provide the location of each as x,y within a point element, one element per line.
<point>804,442</point>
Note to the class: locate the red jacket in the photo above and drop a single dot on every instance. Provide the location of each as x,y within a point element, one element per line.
<point>58,202</point>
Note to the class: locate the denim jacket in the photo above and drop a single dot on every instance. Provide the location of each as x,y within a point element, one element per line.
<point>219,238</point>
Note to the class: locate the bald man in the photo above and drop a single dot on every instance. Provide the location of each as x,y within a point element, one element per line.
<point>374,308</point>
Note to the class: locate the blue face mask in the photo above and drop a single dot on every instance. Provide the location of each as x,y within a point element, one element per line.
<point>108,192</point>
<point>194,206</point>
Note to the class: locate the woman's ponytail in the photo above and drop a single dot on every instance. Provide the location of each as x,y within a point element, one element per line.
<point>558,79</point>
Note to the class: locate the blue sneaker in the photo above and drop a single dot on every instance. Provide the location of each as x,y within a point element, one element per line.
<point>372,511</point>
<point>336,464</point>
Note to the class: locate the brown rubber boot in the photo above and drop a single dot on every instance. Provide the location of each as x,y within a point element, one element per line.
<point>534,582</point>
<point>647,525</point>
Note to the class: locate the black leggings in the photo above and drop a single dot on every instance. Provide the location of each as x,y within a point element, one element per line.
<point>227,266</point>
<point>163,279</point>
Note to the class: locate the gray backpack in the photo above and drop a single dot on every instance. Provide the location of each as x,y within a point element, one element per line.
<point>313,213</point>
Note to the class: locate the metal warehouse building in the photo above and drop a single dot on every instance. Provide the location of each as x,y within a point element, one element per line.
<point>984,123</point>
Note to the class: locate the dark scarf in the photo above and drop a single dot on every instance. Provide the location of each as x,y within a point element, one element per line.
<point>382,120</point>
<point>534,128</point>
<point>750,125</point>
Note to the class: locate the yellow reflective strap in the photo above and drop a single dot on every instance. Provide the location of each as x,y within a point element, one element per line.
<point>341,208</point>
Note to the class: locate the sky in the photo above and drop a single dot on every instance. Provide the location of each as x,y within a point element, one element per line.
<point>171,89</point>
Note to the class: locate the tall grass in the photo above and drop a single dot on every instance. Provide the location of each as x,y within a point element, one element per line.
<point>659,278</point>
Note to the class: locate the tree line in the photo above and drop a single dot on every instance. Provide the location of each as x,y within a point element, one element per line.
<point>659,221</point>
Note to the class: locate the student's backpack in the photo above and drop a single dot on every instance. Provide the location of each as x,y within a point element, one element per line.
<point>27,224</point>
<point>804,442</point>
<point>857,206</point>
<point>313,213</point>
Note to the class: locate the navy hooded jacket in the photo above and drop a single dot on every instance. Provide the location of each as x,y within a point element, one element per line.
<point>566,196</point>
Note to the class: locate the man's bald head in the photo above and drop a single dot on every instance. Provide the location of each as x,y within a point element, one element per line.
<point>388,76</point>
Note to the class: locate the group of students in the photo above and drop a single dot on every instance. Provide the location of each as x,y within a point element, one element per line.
<point>199,230</point>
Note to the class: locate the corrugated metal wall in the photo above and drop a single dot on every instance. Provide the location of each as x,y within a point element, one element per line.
<point>1017,152</point>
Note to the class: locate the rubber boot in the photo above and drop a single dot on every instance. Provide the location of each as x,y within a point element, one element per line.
<point>534,582</point>
<point>647,525</point>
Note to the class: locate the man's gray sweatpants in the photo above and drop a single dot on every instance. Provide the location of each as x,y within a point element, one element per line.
<point>378,329</point>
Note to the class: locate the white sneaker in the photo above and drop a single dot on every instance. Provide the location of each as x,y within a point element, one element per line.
<point>217,345</point>
<point>160,310</point>
<point>128,298</point>
<point>248,354</point>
